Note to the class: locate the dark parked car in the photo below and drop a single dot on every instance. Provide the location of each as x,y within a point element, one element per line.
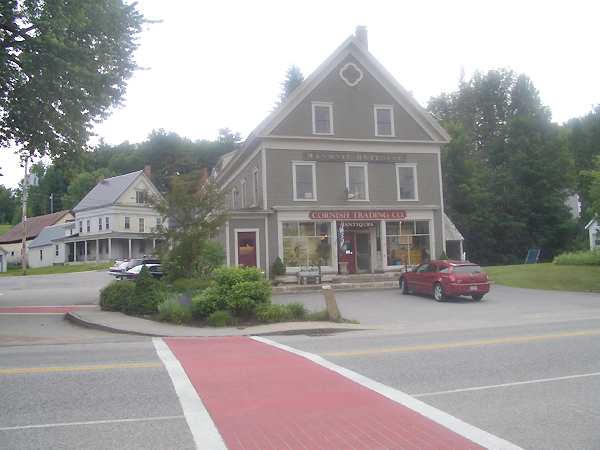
<point>446,278</point>
<point>132,274</point>
<point>120,270</point>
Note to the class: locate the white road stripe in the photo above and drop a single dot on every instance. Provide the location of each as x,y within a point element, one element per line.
<point>518,383</point>
<point>474,434</point>
<point>205,433</point>
<point>93,422</point>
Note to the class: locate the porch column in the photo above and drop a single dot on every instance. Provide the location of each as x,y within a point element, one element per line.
<point>110,249</point>
<point>97,251</point>
<point>74,251</point>
<point>85,250</point>
<point>129,248</point>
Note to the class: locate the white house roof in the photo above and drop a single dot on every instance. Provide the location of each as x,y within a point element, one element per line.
<point>48,234</point>
<point>108,191</point>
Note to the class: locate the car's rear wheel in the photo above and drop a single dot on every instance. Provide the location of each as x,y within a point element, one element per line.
<point>438,292</point>
<point>404,286</point>
<point>477,296</point>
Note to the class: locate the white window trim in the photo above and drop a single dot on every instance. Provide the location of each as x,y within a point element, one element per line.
<point>313,165</point>
<point>234,195</point>
<point>366,172</point>
<point>391,109</point>
<point>243,187</point>
<point>235,244</point>
<point>414,167</point>
<point>326,105</point>
<point>255,190</point>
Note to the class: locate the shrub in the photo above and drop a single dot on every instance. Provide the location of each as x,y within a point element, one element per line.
<point>146,295</point>
<point>443,256</point>
<point>114,296</point>
<point>297,310</point>
<point>238,290</point>
<point>273,313</point>
<point>192,286</point>
<point>220,319</point>
<point>583,258</point>
<point>175,309</point>
<point>278,267</point>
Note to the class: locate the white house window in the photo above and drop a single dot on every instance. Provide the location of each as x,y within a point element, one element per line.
<point>41,255</point>
<point>140,196</point>
<point>81,226</point>
<point>142,225</point>
<point>351,74</point>
<point>407,182</point>
<point>357,181</point>
<point>304,181</point>
<point>158,223</point>
<point>100,224</point>
<point>243,193</point>
<point>255,186</point>
<point>127,226</point>
<point>234,199</point>
<point>322,118</point>
<point>56,250</point>
<point>89,227</point>
<point>107,223</point>
<point>384,121</point>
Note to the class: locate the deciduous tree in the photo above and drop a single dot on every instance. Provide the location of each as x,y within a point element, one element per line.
<point>63,65</point>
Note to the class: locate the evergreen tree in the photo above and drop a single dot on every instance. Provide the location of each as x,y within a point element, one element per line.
<point>293,79</point>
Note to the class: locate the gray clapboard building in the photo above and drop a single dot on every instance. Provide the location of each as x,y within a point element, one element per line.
<point>345,171</point>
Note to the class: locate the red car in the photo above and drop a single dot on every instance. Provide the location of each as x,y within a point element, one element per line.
<point>446,278</point>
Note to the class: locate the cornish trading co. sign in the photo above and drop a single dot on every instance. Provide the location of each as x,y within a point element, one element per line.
<point>357,215</point>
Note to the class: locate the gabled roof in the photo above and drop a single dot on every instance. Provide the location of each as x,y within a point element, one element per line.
<point>354,47</point>
<point>108,191</point>
<point>48,234</point>
<point>33,227</point>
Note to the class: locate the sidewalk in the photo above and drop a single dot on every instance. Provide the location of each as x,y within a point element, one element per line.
<point>120,323</point>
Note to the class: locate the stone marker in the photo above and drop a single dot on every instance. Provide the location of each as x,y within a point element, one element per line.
<point>331,303</point>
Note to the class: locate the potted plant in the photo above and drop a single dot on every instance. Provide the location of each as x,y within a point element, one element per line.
<point>278,269</point>
<point>323,249</point>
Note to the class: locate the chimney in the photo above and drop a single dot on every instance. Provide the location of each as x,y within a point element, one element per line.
<point>101,178</point>
<point>147,171</point>
<point>361,35</point>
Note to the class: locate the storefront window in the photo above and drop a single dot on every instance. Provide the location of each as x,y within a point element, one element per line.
<point>304,243</point>
<point>407,242</point>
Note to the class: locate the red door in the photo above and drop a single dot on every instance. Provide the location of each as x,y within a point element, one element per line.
<point>347,252</point>
<point>247,248</point>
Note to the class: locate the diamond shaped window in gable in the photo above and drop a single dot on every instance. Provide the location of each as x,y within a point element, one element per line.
<point>351,74</point>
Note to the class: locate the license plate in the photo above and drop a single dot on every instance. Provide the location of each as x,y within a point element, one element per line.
<point>473,288</point>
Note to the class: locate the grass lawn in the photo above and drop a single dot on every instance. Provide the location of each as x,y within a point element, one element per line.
<point>5,228</point>
<point>548,277</point>
<point>16,271</point>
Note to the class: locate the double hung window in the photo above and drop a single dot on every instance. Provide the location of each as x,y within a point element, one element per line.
<point>322,118</point>
<point>304,181</point>
<point>142,225</point>
<point>357,181</point>
<point>384,120</point>
<point>255,187</point>
<point>127,225</point>
<point>244,193</point>
<point>407,182</point>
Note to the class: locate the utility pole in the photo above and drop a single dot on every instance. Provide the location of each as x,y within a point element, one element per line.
<point>24,223</point>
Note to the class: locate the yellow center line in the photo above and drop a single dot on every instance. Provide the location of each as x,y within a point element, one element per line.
<point>67,369</point>
<point>463,344</point>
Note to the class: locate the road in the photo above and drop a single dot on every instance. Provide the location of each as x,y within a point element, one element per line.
<point>522,365</point>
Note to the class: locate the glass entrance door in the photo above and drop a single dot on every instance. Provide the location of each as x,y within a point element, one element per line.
<point>363,253</point>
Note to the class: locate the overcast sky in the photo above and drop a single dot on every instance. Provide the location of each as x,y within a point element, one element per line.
<point>215,64</point>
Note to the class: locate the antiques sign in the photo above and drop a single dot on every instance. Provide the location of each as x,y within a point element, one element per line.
<point>355,157</point>
<point>357,215</point>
